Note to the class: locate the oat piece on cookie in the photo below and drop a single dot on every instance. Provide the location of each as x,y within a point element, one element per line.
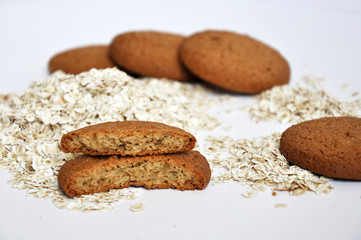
<point>233,61</point>
<point>77,60</point>
<point>133,138</point>
<point>149,53</point>
<point>326,146</point>
<point>87,174</point>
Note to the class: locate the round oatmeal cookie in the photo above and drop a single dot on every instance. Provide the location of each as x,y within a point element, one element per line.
<point>149,53</point>
<point>233,61</point>
<point>77,60</point>
<point>326,146</point>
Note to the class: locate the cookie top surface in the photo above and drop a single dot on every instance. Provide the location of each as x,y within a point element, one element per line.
<point>233,61</point>
<point>150,53</point>
<point>326,146</point>
<point>77,60</point>
<point>134,138</point>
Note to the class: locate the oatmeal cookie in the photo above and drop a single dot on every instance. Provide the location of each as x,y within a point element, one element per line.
<point>77,60</point>
<point>326,146</point>
<point>150,53</point>
<point>133,138</point>
<point>234,62</point>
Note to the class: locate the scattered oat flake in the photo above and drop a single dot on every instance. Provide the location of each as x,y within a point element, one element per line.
<point>344,86</point>
<point>296,104</point>
<point>259,164</point>
<point>280,205</point>
<point>227,128</point>
<point>298,192</point>
<point>138,207</point>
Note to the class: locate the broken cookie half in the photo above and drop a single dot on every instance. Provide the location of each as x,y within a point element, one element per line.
<point>134,153</point>
<point>90,174</point>
<point>132,138</point>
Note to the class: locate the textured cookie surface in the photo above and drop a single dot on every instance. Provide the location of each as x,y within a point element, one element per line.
<point>133,138</point>
<point>326,146</point>
<point>149,53</point>
<point>235,62</point>
<point>77,60</point>
<point>89,174</point>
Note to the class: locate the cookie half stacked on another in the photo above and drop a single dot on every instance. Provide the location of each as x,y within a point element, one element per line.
<point>131,153</point>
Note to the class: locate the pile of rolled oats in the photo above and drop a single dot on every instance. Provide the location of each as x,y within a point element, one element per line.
<point>32,124</point>
<point>296,104</point>
<point>259,164</point>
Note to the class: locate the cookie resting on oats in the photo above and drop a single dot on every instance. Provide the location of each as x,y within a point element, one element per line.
<point>132,138</point>
<point>327,146</point>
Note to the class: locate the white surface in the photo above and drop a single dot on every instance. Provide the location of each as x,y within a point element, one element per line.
<point>322,39</point>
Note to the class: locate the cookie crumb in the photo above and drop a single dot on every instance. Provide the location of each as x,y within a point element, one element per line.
<point>274,194</point>
<point>138,207</point>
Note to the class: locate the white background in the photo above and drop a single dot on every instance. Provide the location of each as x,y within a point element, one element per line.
<point>322,38</point>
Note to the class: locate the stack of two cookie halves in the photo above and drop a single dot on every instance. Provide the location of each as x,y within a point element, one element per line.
<point>131,153</point>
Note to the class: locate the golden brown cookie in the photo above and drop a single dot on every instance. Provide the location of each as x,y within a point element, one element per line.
<point>89,174</point>
<point>233,61</point>
<point>326,146</point>
<point>150,53</point>
<point>77,60</point>
<point>133,138</point>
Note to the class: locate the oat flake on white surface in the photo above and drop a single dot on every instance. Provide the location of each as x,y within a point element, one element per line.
<point>32,124</point>
<point>138,207</point>
<point>259,164</point>
<point>280,205</point>
<point>299,103</point>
